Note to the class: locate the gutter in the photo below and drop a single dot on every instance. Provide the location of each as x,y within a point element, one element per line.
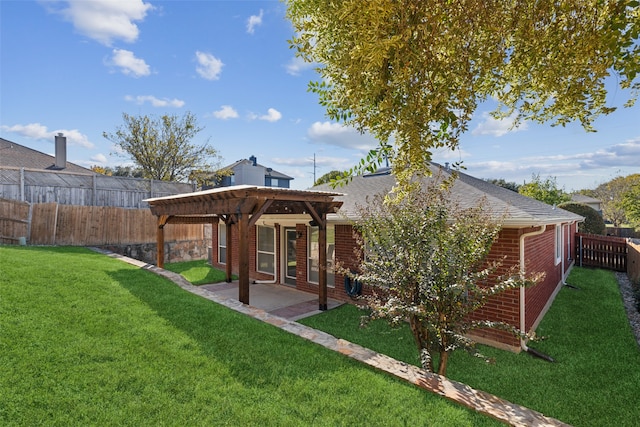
<point>523,344</point>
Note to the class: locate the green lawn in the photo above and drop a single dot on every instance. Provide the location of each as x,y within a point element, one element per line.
<point>594,382</point>
<point>198,272</point>
<point>89,340</point>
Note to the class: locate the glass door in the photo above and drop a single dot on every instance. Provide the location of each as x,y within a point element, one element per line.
<point>290,256</point>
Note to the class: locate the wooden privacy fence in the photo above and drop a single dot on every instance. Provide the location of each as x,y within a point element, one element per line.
<point>67,188</point>
<point>57,224</point>
<point>633,260</point>
<point>602,252</point>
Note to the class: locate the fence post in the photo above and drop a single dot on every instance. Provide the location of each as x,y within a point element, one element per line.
<point>94,197</point>
<point>22,195</point>
<point>580,251</point>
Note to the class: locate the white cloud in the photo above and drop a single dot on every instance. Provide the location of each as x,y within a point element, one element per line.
<point>341,136</point>
<point>99,158</point>
<point>106,20</point>
<point>495,127</point>
<point>253,22</point>
<point>38,131</point>
<point>129,64</point>
<point>225,112</point>
<point>156,102</point>
<point>297,65</point>
<point>209,67</point>
<point>574,170</point>
<point>272,115</point>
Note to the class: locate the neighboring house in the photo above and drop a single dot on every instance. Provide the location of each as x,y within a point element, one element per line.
<point>32,176</point>
<point>593,203</point>
<point>536,236</point>
<point>249,172</point>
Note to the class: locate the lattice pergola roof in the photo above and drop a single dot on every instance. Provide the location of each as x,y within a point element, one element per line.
<point>243,205</point>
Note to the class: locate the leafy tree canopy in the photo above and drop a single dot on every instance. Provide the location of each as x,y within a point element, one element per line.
<point>631,204</point>
<point>546,191</point>
<point>328,177</point>
<point>504,184</point>
<point>427,260</point>
<point>612,197</point>
<point>412,72</point>
<point>593,222</point>
<point>161,146</point>
<point>128,171</point>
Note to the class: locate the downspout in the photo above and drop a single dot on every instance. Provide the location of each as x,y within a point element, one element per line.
<point>564,276</point>
<point>523,325</point>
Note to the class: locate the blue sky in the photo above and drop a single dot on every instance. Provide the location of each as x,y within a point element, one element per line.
<point>76,66</point>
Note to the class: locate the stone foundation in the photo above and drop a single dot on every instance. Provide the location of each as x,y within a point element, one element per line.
<point>174,251</point>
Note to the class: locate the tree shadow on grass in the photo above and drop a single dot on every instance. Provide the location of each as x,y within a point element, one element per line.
<point>255,352</point>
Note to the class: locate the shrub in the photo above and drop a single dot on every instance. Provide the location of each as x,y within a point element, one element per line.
<point>593,222</point>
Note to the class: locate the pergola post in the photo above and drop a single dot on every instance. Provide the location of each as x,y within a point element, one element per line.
<point>243,254</point>
<point>229,260</point>
<point>162,221</point>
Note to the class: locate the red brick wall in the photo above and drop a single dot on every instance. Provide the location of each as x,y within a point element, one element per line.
<point>504,307</point>
<point>540,257</point>
<point>233,245</point>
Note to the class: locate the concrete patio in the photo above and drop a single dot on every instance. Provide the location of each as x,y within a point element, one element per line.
<point>275,299</point>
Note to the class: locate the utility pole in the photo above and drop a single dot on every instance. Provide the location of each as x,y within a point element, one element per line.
<point>314,168</point>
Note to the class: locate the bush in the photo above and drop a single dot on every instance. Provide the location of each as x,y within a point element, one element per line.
<point>593,223</point>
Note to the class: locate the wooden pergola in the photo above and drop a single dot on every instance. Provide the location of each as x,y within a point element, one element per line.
<point>243,205</point>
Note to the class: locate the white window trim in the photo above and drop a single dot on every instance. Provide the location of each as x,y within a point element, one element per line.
<point>310,258</point>
<point>258,251</point>
<point>558,243</point>
<point>222,228</point>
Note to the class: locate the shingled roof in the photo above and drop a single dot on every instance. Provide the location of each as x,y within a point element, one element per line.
<point>518,210</point>
<point>18,156</point>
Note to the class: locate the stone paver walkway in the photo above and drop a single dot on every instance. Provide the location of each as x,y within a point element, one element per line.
<point>489,404</point>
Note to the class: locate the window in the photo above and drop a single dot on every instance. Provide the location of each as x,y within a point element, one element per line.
<point>222,243</point>
<point>558,244</point>
<point>313,274</point>
<point>266,258</point>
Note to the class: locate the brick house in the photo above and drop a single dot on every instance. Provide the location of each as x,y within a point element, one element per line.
<point>538,237</point>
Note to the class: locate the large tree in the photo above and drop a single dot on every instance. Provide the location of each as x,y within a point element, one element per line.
<point>413,72</point>
<point>162,146</point>
<point>612,197</point>
<point>546,190</point>
<point>631,204</point>
<point>426,258</point>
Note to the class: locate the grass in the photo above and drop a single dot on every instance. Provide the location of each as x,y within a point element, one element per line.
<point>88,340</point>
<point>198,272</point>
<point>594,382</point>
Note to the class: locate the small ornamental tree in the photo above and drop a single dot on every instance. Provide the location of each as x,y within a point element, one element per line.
<point>425,256</point>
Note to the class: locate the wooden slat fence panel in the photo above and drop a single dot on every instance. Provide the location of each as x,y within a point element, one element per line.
<point>633,260</point>
<point>602,252</point>
<point>41,186</point>
<point>58,224</point>
<point>14,221</point>
<point>43,224</point>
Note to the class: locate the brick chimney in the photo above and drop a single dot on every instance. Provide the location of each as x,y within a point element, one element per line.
<point>61,151</point>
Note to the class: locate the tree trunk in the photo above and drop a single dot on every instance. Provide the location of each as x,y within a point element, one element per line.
<point>421,343</point>
<point>442,366</point>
